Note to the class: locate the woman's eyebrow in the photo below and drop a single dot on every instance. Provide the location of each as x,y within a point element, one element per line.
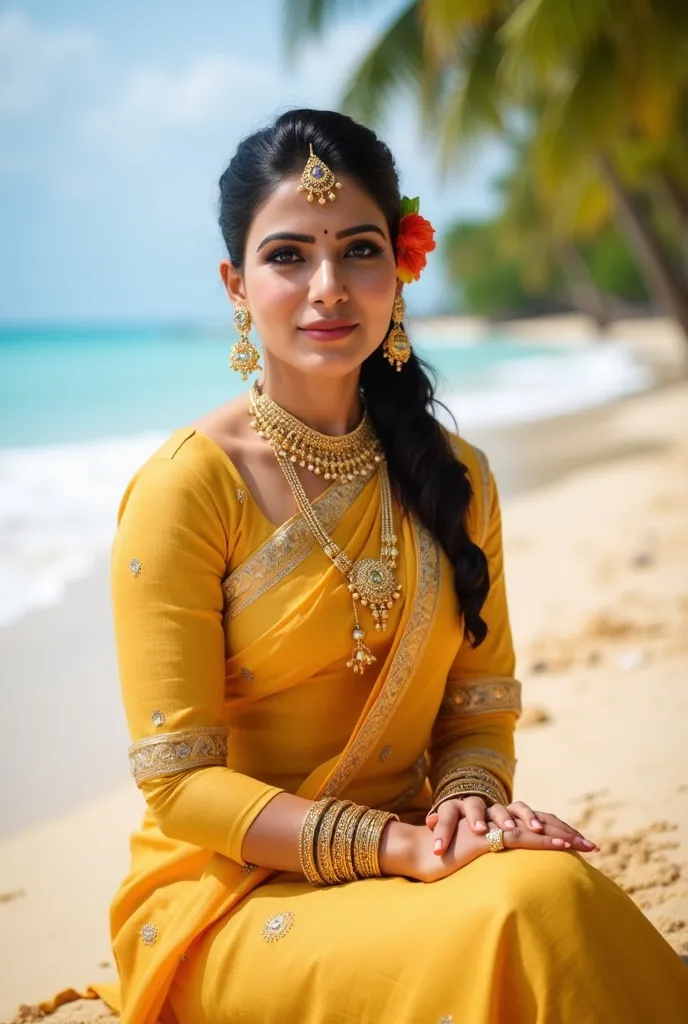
<point>291,236</point>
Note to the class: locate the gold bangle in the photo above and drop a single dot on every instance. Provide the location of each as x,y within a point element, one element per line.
<point>328,823</point>
<point>343,843</point>
<point>473,772</point>
<point>367,842</point>
<point>307,838</point>
<point>468,787</point>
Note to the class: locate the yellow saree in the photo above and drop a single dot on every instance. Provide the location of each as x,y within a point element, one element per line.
<point>232,639</point>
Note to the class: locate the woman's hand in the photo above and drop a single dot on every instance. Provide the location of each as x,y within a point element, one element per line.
<point>444,821</point>
<point>408,849</point>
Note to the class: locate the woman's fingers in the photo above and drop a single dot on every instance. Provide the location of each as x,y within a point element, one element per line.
<point>501,816</point>
<point>552,824</point>
<point>520,838</point>
<point>474,811</point>
<point>447,820</point>
<point>526,814</point>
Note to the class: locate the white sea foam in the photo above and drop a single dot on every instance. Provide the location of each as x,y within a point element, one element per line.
<point>58,510</point>
<point>58,503</point>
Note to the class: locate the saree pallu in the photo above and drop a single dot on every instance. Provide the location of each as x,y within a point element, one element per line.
<point>232,638</point>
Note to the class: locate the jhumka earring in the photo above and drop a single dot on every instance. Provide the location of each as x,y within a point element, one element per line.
<point>397,347</point>
<point>318,181</point>
<point>244,357</point>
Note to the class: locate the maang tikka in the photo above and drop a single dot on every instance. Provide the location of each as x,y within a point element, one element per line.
<point>397,347</point>
<point>244,357</point>
<point>318,181</point>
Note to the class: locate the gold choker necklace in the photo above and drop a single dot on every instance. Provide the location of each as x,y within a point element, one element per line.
<point>371,580</point>
<point>352,455</point>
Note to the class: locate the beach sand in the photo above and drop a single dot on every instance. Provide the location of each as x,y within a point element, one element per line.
<point>597,570</point>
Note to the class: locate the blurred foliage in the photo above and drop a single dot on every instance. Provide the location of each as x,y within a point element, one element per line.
<point>592,98</point>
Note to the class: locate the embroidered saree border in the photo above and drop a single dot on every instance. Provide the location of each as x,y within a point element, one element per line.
<point>285,550</point>
<point>172,752</point>
<point>480,696</point>
<point>410,649</point>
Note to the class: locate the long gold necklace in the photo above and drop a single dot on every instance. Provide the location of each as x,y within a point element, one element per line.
<point>371,580</point>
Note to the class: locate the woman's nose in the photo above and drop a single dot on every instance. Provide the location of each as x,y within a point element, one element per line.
<point>327,285</point>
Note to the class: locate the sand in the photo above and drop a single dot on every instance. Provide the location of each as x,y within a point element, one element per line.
<point>597,571</point>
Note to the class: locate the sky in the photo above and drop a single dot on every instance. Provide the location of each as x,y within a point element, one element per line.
<point>116,121</point>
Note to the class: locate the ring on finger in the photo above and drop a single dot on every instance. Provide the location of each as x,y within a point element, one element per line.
<point>495,839</point>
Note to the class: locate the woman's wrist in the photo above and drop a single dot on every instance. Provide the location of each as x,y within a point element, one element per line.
<point>397,847</point>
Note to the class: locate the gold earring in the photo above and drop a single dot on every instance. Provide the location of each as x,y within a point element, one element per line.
<point>397,347</point>
<point>244,357</point>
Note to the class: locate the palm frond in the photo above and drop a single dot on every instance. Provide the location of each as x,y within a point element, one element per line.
<point>306,19</point>
<point>395,62</point>
<point>443,21</point>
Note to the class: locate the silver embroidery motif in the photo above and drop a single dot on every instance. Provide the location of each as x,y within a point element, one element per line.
<point>182,958</point>
<point>248,869</point>
<point>480,696</point>
<point>149,934</point>
<point>135,567</point>
<point>241,495</point>
<point>276,927</point>
<point>247,674</point>
<point>446,1020</point>
<point>158,718</point>
<point>177,752</point>
<point>384,753</point>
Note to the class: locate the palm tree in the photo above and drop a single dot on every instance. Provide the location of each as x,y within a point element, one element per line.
<point>607,80</point>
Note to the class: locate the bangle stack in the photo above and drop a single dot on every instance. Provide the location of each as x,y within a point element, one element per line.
<point>340,841</point>
<point>470,781</point>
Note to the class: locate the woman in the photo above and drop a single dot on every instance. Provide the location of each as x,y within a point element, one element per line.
<point>309,603</point>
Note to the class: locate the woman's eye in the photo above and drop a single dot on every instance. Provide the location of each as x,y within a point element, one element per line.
<point>368,248</point>
<point>276,256</point>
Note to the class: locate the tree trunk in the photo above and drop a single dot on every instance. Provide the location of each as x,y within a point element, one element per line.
<point>662,278</point>
<point>675,199</point>
<point>585,294</point>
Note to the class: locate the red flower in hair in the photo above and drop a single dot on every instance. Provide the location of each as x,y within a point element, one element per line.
<point>414,241</point>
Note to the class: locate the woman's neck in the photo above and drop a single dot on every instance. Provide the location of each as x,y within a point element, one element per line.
<point>329,405</point>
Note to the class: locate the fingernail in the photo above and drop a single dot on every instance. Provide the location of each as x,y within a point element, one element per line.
<point>438,845</point>
<point>590,846</point>
<point>557,842</point>
<point>509,823</point>
<point>567,845</point>
<point>535,823</point>
<point>481,825</point>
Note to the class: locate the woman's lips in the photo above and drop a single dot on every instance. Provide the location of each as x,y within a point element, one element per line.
<point>331,334</point>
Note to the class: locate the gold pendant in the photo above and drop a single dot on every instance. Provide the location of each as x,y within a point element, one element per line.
<point>374,585</point>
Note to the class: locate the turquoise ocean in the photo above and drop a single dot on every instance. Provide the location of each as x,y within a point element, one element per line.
<point>81,407</point>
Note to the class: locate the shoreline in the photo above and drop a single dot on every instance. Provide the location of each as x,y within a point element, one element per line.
<point>596,557</point>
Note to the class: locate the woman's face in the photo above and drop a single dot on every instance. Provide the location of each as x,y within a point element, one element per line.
<point>306,264</point>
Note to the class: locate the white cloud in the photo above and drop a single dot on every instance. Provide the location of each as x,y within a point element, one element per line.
<point>151,106</point>
<point>37,65</point>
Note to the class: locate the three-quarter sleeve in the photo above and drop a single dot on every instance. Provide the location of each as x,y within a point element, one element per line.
<point>169,557</point>
<point>472,747</point>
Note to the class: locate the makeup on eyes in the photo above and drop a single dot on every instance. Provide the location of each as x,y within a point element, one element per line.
<point>372,248</point>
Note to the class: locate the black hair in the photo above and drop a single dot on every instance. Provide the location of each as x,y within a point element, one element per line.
<point>431,482</point>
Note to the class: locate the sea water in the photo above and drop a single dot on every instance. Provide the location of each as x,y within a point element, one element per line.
<point>82,407</point>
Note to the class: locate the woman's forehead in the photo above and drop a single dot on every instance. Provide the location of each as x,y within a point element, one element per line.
<point>288,210</point>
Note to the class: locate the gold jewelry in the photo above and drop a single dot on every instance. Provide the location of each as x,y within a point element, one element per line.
<point>371,580</point>
<point>328,824</point>
<point>308,835</point>
<point>354,454</point>
<point>343,843</point>
<point>367,842</point>
<point>244,357</point>
<point>470,780</point>
<point>495,840</point>
<point>318,181</point>
<point>397,347</point>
